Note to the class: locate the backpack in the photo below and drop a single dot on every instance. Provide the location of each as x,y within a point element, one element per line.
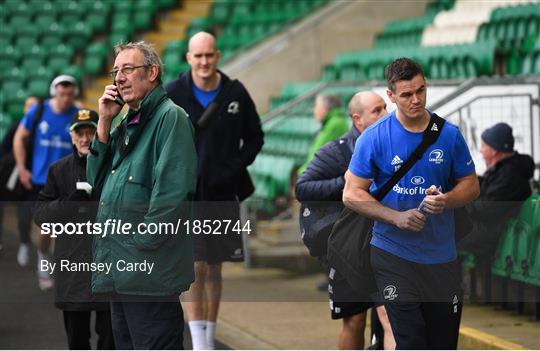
<point>318,217</point>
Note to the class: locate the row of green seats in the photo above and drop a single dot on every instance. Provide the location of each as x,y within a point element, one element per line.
<point>406,32</point>
<point>509,30</point>
<point>525,61</point>
<point>275,171</point>
<point>222,11</point>
<point>530,10</point>
<point>16,91</point>
<point>296,148</point>
<point>518,253</point>
<point>449,61</point>
<point>290,91</point>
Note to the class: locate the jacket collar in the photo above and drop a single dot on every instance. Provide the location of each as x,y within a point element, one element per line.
<point>150,102</point>
<point>186,81</point>
<point>332,114</point>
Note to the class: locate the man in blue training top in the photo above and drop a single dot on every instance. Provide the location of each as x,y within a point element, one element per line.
<point>51,142</point>
<point>413,253</point>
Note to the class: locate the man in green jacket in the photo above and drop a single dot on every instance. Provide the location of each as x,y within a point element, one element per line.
<point>146,171</point>
<point>327,110</point>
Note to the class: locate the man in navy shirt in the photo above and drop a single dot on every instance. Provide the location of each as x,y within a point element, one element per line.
<point>51,143</point>
<point>413,253</point>
<point>226,144</point>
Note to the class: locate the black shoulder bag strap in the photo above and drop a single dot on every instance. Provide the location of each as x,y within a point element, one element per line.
<point>211,110</point>
<point>431,134</point>
<point>30,141</point>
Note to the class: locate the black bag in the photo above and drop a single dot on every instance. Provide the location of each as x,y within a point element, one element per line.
<point>11,188</point>
<point>349,243</point>
<point>316,222</point>
<point>317,218</point>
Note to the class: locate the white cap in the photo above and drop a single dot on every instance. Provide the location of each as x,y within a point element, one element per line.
<point>64,78</point>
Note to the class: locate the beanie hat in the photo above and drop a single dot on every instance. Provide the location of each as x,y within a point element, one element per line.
<point>499,137</point>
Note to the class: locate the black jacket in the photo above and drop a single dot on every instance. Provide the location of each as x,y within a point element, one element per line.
<point>503,188</point>
<point>323,179</point>
<point>60,202</point>
<point>228,145</point>
<point>320,188</point>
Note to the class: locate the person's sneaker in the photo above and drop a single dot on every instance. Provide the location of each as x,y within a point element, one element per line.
<point>23,256</point>
<point>45,280</point>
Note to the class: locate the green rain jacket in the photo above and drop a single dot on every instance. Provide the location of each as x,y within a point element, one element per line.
<point>334,125</point>
<point>146,174</point>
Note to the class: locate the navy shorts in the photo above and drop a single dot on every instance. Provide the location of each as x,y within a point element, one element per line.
<point>224,243</point>
<point>343,298</point>
<point>423,301</point>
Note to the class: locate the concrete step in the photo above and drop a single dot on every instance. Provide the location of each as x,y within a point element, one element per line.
<point>263,307</point>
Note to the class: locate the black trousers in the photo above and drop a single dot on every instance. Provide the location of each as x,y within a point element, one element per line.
<point>423,302</point>
<point>24,213</point>
<point>147,325</point>
<point>77,325</point>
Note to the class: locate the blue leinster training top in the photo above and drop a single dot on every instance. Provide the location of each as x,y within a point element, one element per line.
<point>379,152</point>
<point>52,140</point>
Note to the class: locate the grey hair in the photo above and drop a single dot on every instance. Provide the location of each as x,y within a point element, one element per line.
<point>150,56</point>
<point>329,101</point>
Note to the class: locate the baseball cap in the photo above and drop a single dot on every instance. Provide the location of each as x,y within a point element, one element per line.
<point>84,117</point>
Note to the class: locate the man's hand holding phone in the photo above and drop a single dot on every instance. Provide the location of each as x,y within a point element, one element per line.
<point>109,107</point>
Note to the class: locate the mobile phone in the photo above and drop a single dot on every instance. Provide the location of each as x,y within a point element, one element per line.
<point>422,207</point>
<point>118,99</point>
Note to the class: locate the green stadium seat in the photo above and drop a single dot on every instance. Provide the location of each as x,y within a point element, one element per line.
<point>69,20</point>
<point>63,50</point>
<point>38,87</point>
<point>43,21</point>
<point>125,7</point>
<point>20,23</point>
<point>44,7</point>
<point>94,57</point>
<point>31,63</point>
<point>220,12</point>
<point>74,71</point>
<point>58,63</point>
<point>198,24</point>
<point>15,97</point>
<point>166,4</point>
<point>51,35</point>
<point>96,21</point>
<point>10,6</point>
<point>79,36</point>
<point>528,263</point>
<point>142,20</point>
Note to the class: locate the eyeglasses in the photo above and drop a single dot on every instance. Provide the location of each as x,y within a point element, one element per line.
<point>125,70</point>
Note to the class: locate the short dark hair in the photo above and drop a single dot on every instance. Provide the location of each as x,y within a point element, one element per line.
<point>402,68</point>
<point>65,84</point>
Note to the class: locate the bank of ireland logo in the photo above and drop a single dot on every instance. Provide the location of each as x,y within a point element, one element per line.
<point>436,156</point>
<point>390,292</point>
<point>418,180</point>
